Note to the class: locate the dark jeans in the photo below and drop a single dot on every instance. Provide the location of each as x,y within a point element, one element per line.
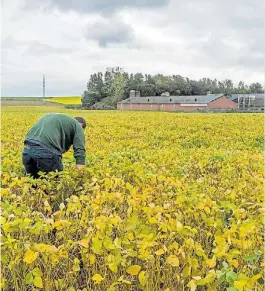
<point>36,159</point>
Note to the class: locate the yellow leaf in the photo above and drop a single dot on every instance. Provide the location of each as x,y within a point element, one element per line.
<point>38,282</point>
<point>84,243</point>
<point>186,272</point>
<point>256,277</point>
<point>2,219</point>
<point>194,263</point>
<point>167,289</point>
<point>45,248</point>
<point>235,263</point>
<point>60,224</point>
<point>130,236</point>
<point>174,246</point>
<point>133,270</point>
<point>30,256</point>
<point>208,279</point>
<point>97,278</point>
<point>92,259</point>
<point>113,267</point>
<point>96,245</point>
<point>179,226</point>
<point>200,206</point>
<point>142,278</point>
<point>240,284</point>
<point>159,252</point>
<point>127,282</point>
<point>211,263</point>
<point>172,260</point>
<point>3,283</point>
<point>63,253</point>
<point>192,285</point>
<point>161,178</point>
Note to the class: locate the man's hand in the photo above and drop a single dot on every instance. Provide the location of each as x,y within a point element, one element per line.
<point>80,166</point>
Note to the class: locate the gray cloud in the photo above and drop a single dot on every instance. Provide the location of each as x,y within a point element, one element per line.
<point>72,39</point>
<point>218,34</point>
<point>99,6</point>
<point>220,54</point>
<point>41,49</point>
<point>110,31</point>
<point>32,48</point>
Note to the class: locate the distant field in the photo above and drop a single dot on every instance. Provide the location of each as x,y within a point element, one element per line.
<point>65,100</point>
<point>21,99</point>
<point>26,101</point>
<point>29,103</point>
<point>39,101</point>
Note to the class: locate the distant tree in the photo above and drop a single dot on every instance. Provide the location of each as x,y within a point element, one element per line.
<point>180,85</point>
<point>115,85</point>
<point>108,78</point>
<point>228,86</point>
<point>148,87</point>
<point>116,91</point>
<point>241,88</point>
<point>256,88</point>
<point>96,84</point>
<point>221,87</point>
<point>95,90</point>
<point>162,84</point>
<point>89,98</point>
<point>197,87</point>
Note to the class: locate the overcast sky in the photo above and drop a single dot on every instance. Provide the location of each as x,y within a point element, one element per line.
<point>67,40</point>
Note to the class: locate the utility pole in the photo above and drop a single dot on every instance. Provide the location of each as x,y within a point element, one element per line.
<point>43,86</point>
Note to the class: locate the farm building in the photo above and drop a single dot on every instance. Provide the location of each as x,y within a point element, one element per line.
<point>245,101</point>
<point>172,103</point>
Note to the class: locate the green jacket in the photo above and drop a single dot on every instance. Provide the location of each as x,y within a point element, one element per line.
<point>59,132</point>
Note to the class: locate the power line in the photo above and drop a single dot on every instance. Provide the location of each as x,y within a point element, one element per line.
<point>43,86</point>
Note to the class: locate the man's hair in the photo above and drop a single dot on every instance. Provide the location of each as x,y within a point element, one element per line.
<point>81,120</point>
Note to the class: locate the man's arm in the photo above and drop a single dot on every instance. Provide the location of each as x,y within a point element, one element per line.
<point>79,147</point>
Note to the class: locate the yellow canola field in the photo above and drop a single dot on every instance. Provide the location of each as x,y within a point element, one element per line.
<point>71,100</point>
<point>167,202</point>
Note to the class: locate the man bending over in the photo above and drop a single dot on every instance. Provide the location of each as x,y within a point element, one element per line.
<point>50,137</point>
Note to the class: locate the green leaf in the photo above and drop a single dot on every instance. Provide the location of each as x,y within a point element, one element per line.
<point>37,272</point>
<point>232,289</point>
<point>251,258</point>
<point>29,278</point>
<point>221,278</point>
<point>96,245</point>
<point>186,271</point>
<point>113,267</point>
<point>208,279</point>
<point>108,244</point>
<point>225,265</point>
<point>231,277</point>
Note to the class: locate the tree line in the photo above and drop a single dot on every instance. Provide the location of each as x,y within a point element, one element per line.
<point>108,88</point>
